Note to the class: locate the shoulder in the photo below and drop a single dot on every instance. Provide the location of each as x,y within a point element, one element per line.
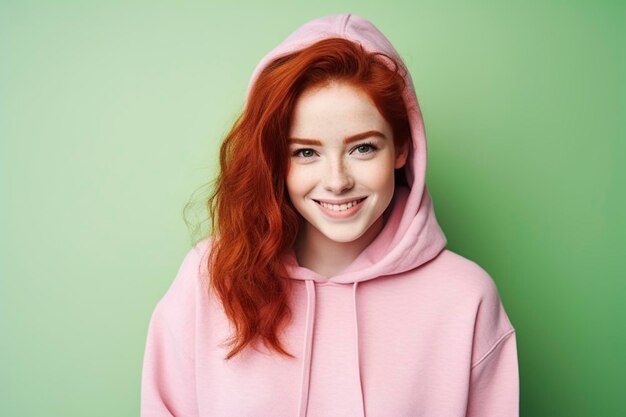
<point>463,274</point>
<point>192,266</point>
<point>171,334</point>
<point>180,298</point>
<point>472,283</point>
<point>491,324</point>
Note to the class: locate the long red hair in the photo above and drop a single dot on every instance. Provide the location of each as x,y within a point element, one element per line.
<point>253,221</point>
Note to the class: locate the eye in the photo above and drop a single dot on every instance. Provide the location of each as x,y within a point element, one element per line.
<point>366,146</point>
<point>297,152</point>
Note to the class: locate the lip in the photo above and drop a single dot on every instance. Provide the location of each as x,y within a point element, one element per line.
<point>341,214</point>
<point>339,202</point>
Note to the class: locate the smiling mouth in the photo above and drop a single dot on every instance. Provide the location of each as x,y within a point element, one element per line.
<point>340,207</point>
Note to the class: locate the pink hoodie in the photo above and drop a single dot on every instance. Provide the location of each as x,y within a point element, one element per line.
<point>408,329</point>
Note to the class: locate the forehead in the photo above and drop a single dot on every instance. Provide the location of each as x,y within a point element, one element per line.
<point>334,111</point>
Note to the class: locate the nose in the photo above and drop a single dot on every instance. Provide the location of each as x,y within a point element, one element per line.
<point>337,177</point>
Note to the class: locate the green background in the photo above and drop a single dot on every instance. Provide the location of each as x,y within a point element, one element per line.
<point>111,115</point>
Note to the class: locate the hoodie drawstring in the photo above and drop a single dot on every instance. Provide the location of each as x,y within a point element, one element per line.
<point>308,340</point>
<point>308,343</point>
<point>356,342</point>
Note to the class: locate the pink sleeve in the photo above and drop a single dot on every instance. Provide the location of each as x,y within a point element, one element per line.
<point>168,385</point>
<point>494,377</point>
<point>494,382</point>
<point>168,380</point>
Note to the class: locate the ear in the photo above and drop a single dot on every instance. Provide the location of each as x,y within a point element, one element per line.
<point>402,155</point>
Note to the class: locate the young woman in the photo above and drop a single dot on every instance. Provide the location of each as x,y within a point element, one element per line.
<point>325,288</point>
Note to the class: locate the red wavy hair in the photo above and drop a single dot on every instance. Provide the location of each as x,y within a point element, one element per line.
<point>253,221</point>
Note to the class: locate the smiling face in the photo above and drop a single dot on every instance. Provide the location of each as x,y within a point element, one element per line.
<point>341,151</point>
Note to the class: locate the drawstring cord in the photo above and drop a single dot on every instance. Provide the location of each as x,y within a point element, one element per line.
<point>356,343</point>
<point>306,357</point>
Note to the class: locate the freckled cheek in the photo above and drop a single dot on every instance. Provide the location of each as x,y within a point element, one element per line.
<point>299,180</point>
<point>377,178</point>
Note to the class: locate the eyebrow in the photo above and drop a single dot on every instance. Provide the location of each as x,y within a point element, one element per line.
<point>346,140</point>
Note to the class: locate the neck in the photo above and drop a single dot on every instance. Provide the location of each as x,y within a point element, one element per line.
<point>327,257</point>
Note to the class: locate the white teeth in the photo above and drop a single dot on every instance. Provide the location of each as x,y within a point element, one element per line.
<point>340,207</point>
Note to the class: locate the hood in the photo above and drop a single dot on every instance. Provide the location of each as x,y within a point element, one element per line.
<point>411,235</point>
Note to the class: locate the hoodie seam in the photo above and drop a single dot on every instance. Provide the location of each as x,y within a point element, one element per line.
<point>344,25</point>
<point>493,348</point>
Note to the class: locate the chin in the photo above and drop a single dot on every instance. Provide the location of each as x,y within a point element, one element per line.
<point>346,234</point>
<point>345,238</point>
